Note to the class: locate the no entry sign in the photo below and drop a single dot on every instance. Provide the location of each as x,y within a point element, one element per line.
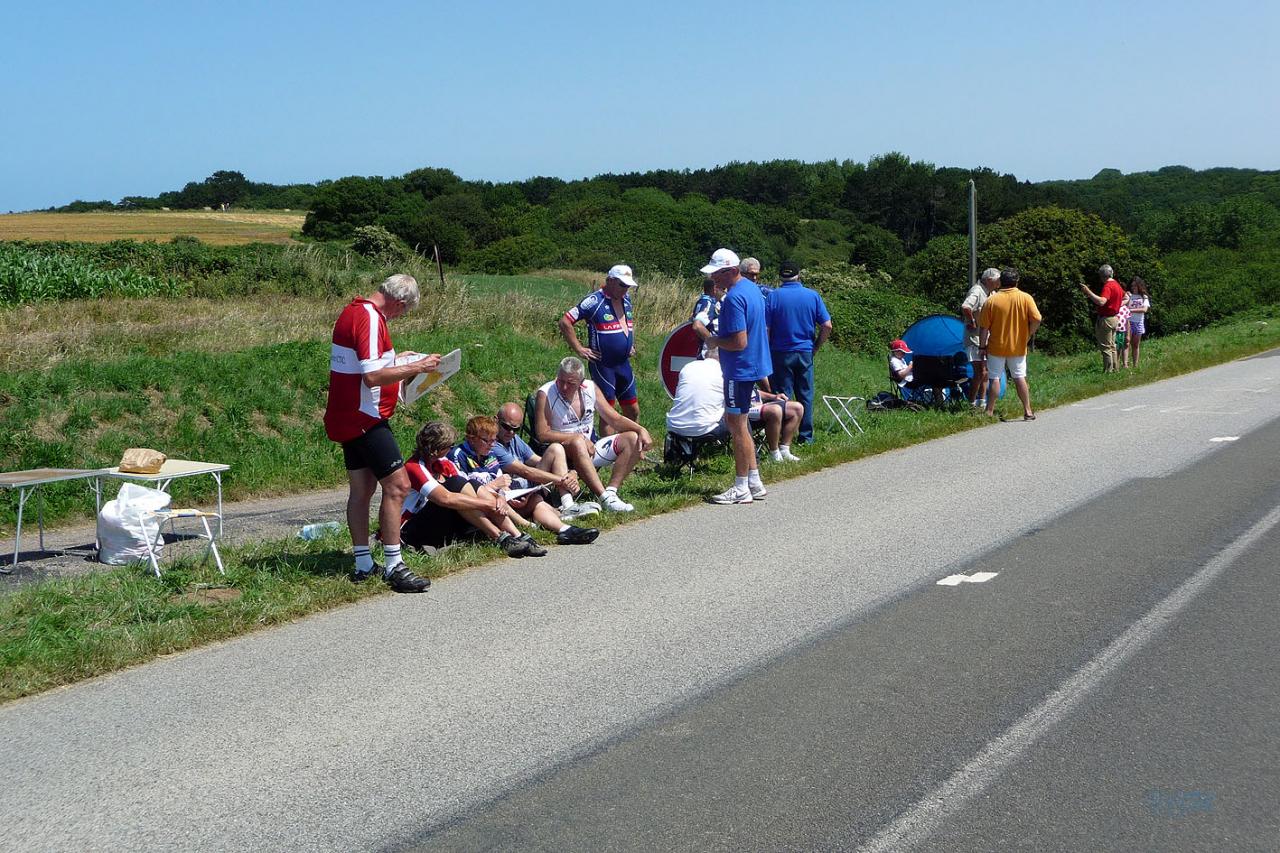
<point>682,347</point>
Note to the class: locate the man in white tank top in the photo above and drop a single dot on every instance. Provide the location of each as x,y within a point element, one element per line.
<point>566,413</point>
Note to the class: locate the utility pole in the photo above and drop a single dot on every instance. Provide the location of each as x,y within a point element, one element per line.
<point>973,232</point>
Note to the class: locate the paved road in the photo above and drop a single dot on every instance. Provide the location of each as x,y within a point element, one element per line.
<point>723,677</point>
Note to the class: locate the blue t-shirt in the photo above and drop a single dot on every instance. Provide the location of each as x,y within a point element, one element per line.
<point>607,333</point>
<point>794,312</point>
<point>743,308</point>
<point>514,451</point>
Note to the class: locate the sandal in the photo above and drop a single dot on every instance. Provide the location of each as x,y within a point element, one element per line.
<point>1030,417</point>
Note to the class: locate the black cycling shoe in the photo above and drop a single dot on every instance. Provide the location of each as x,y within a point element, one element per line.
<point>531,548</point>
<point>358,576</point>
<point>577,536</point>
<point>402,579</point>
<point>512,546</point>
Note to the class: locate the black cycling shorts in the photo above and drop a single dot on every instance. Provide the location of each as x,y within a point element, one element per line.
<point>437,526</point>
<point>376,450</point>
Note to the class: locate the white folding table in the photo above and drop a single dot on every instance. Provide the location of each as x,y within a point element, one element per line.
<point>175,469</point>
<point>30,481</point>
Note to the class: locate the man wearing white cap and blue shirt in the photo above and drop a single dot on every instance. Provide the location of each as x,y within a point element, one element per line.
<point>744,359</point>
<point>610,338</point>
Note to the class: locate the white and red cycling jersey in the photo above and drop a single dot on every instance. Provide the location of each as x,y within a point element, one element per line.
<point>361,344</point>
<point>424,475</point>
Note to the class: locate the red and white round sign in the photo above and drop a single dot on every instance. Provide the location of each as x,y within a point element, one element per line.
<point>681,347</point>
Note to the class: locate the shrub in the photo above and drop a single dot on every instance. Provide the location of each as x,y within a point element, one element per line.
<point>866,313</point>
<point>378,244</point>
<point>512,255</point>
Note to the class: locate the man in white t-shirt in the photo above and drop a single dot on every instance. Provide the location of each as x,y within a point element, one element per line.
<point>566,413</point>
<point>971,308</point>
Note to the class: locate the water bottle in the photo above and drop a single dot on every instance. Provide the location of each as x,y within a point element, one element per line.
<point>315,531</point>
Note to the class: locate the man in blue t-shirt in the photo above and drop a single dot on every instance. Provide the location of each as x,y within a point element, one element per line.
<point>744,359</point>
<point>610,339</point>
<point>794,311</point>
<point>550,468</point>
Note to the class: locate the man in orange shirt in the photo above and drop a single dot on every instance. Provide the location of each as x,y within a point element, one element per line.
<point>1006,325</point>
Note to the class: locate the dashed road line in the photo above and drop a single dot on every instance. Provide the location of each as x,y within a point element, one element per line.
<point>914,826</point>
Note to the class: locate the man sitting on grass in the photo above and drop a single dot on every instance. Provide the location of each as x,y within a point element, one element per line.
<point>444,507</point>
<point>550,468</point>
<point>478,459</point>
<point>566,413</point>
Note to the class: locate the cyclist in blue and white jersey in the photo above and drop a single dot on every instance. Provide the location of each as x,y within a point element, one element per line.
<point>610,338</point>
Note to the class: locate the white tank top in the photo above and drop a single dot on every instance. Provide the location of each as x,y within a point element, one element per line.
<point>563,418</point>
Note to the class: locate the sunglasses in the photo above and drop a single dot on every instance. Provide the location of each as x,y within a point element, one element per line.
<point>508,426</point>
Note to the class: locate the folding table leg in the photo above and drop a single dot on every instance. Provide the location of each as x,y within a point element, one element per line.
<point>150,543</point>
<point>23,492</point>
<point>213,546</point>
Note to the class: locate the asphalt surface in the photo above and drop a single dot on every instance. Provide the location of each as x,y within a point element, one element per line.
<point>786,674</point>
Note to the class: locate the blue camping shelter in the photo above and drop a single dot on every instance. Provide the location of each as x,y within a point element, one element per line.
<point>940,335</point>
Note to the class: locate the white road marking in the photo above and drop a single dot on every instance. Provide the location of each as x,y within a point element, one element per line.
<point>1173,409</point>
<point>976,577</point>
<point>917,823</point>
<point>1225,438</point>
<point>1134,408</point>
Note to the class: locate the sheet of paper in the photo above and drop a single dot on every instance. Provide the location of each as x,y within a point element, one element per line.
<point>450,363</point>
<point>513,494</point>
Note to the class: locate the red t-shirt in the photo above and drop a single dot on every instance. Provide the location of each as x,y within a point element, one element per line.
<point>1114,295</point>
<point>361,344</point>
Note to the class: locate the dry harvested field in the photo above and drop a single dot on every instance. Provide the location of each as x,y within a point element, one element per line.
<point>210,226</point>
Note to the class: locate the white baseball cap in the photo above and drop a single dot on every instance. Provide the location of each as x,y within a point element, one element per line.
<point>622,273</point>
<point>721,259</point>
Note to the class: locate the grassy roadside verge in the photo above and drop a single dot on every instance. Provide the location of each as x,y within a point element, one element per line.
<point>62,631</point>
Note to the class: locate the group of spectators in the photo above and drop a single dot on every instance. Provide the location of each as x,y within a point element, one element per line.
<point>754,367</point>
<point>490,486</point>
<point>1001,320</point>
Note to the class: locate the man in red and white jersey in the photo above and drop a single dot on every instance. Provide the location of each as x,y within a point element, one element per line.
<point>364,385</point>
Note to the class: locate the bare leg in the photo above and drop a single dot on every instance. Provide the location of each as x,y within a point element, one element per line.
<point>993,393</point>
<point>795,414</point>
<point>1135,343</point>
<point>581,460</point>
<point>1024,394</point>
<point>544,514</point>
<point>363,484</point>
<point>978,385</point>
<point>490,523</point>
<point>395,487</point>
<point>744,449</point>
<point>772,417</point>
<point>631,410</point>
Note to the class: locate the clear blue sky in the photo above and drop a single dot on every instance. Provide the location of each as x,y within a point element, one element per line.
<point>103,100</point>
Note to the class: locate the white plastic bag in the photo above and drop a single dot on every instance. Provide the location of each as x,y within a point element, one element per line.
<point>123,527</point>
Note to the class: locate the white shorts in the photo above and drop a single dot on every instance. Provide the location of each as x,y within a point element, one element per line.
<point>975,353</point>
<point>605,454</point>
<point>1017,365</point>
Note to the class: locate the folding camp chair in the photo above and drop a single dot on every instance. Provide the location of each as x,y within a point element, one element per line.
<point>170,516</point>
<point>839,409</point>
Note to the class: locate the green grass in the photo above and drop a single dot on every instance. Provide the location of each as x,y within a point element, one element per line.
<point>259,410</point>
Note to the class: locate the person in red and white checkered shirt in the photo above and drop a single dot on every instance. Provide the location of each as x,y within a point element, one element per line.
<point>364,385</point>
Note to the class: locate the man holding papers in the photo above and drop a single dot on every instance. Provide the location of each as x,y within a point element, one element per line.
<point>364,385</point>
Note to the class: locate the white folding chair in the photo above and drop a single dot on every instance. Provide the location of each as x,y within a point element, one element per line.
<point>171,515</point>
<point>839,409</point>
